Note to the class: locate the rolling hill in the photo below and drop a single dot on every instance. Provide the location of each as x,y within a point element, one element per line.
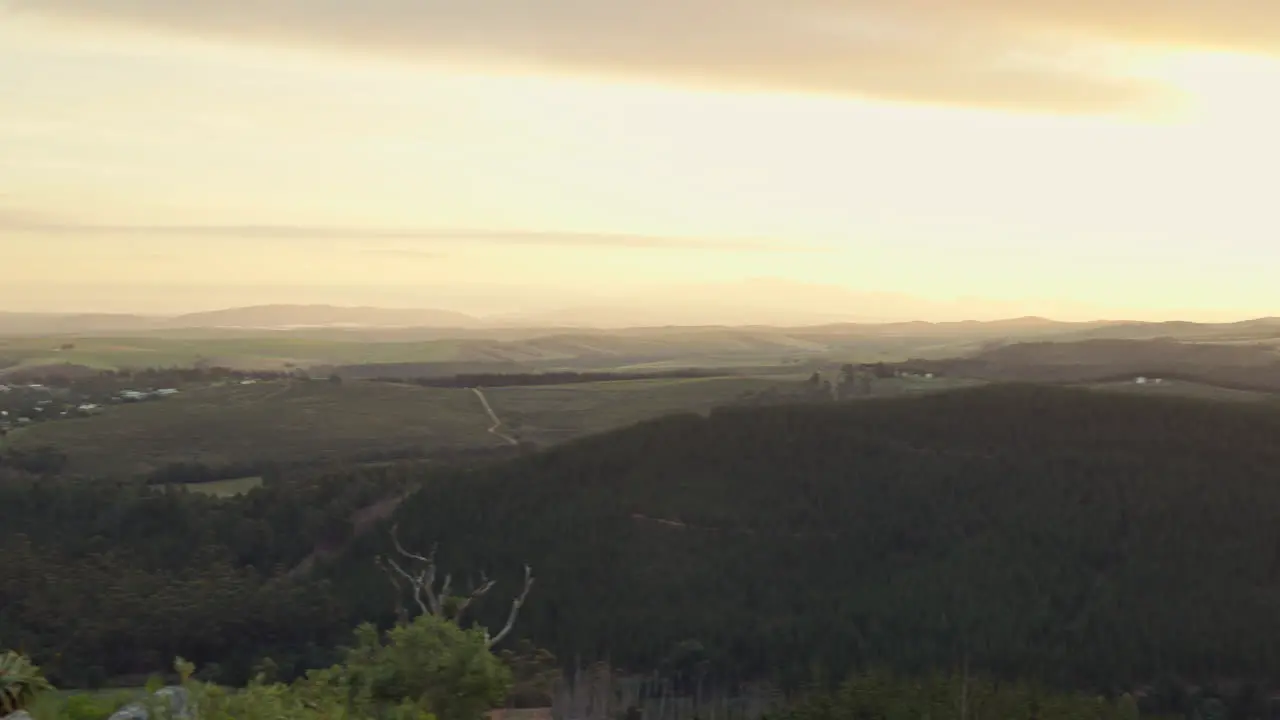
<point>1084,538</point>
<point>1243,366</point>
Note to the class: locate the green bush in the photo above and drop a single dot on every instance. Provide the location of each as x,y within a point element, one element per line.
<point>430,663</point>
<point>20,683</point>
<point>429,669</point>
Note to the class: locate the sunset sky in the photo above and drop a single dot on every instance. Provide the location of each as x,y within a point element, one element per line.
<point>1075,157</point>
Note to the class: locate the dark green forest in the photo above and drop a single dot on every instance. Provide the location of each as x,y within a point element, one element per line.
<point>1082,540</point>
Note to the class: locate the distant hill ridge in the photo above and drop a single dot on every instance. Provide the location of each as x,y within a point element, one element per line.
<point>283,316</point>
<point>250,317</point>
<point>1245,365</point>
<point>302,316</point>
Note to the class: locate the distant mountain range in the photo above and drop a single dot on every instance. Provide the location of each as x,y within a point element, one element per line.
<point>268,317</point>
<point>599,319</point>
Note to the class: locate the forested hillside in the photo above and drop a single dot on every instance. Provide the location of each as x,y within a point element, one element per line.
<point>1085,539</point>
<point>103,580</point>
<point>1078,537</point>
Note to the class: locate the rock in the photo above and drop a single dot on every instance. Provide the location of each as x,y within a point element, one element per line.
<point>173,703</point>
<point>20,715</point>
<point>177,699</point>
<point>132,711</point>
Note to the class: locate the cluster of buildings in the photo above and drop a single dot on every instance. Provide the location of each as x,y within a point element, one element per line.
<point>24,404</point>
<point>139,395</point>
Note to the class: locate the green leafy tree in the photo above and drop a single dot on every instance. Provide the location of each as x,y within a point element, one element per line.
<point>431,663</point>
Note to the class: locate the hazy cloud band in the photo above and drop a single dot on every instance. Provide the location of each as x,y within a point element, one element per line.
<point>36,224</point>
<point>1026,54</point>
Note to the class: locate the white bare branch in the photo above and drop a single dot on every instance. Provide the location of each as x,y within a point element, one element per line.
<point>415,582</point>
<point>432,602</point>
<point>395,582</point>
<point>485,586</point>
<point>515,607</point>
<point>425,582</point>
<point>445,587</point>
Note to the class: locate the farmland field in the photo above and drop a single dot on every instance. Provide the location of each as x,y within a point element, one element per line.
<point>281,421</point>
<point>247,353</point>
<point>319,421</point>
<point>225,488</point>
<point>554,413</point>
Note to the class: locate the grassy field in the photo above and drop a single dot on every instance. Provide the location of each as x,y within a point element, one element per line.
<point>318,421</point>
<point>245,353</point>
<point>643,349</point>
<point>225,488</point>
<point>307,421</point>
<point>280,421</point>
<point>549,414</point>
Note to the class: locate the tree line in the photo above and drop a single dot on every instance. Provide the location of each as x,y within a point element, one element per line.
<point>469,380</point>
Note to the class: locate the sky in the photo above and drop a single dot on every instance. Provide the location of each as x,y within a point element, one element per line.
<point>1082,158</point>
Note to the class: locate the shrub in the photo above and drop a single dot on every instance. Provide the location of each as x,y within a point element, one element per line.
<point>20,683</point>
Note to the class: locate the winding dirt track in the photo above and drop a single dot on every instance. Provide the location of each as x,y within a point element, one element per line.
<point>496,428</point>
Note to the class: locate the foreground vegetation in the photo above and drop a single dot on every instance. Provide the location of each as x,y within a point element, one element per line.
<point>428,670</point>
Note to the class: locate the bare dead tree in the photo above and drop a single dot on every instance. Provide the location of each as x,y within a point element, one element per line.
<point>421,581</point>
<point>402,617</point>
